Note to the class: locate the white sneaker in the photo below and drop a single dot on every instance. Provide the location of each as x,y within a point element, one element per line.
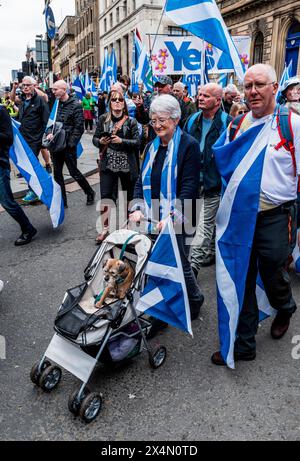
<point>1,285</point>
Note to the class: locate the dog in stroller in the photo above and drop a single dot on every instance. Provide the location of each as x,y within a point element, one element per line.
<point>86,335</point>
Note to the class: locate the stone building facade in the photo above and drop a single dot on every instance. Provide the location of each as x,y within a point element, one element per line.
<point>274,26</point>
<point>66,47</point>
<point>87,35</point>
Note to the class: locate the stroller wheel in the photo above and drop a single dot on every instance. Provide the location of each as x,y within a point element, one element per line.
<point>90,407</point>
<point>34,373</point>
<point>50,378</point>
<point>74,403</point>
<point>158,357</point>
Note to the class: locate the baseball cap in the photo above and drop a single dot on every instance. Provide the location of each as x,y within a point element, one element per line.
<point>289,82</point>
<point>163,80</point>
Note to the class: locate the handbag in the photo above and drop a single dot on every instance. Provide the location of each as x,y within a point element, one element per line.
<point>116,128</point>
<point>59,142</point>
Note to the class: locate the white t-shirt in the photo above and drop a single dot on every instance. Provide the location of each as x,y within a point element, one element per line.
<point>278,183</point>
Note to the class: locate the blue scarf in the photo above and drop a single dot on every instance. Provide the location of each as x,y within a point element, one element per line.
<point>168,184</point>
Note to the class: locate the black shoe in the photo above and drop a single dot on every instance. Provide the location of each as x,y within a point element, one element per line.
<point>195,271</point>
<point>156,326</point>
<point>217,358</point>
<point>280,325</point>
<point>195,308</point>
<point>90,198</point>
<point>65,205</point>
<point>26,237</point>
<point>208,261</point>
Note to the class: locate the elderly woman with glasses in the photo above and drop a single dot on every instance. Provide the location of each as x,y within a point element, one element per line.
<point>117,137</point>
<point>171,169</point>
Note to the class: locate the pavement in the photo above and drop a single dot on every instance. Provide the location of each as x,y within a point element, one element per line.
<point>86,164</point>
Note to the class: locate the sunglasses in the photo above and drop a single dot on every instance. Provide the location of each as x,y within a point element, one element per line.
<point>242,112</point>
<point>117,100</point>
<point>27,84</point>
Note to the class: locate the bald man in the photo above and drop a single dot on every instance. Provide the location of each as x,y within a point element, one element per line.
<point>71,115</point>
<point>206,126</point>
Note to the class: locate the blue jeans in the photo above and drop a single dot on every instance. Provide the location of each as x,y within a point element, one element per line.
<point>8,202</point>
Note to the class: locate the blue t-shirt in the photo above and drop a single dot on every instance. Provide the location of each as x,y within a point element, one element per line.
<point>206,124</point>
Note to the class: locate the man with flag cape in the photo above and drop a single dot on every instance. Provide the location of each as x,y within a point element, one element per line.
<point>7,200</point>
<point>256,219</point>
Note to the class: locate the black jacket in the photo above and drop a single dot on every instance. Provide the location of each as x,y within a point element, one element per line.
<point>130,142</point>
<point>34,119</point>
<point>70,113</point>
<point>6,137</point>
<point>211,175</point>
<point>188,172</point>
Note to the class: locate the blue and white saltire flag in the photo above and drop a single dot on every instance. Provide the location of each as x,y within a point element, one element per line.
<point>141,65</point>
<point>112,68</point>
<point>168,177</point>
<point>296,254</point>
<point>90,87</point>
<point>285,76</point>
<point>51,122</point>
<point>222,80</point>
<point>203,19</point>
<point>78,88</point>
<point>103,84</point>
<point>41,182</point>
<point>165,295</point>
<point>240,164</point>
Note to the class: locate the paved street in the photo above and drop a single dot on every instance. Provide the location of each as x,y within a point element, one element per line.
<point>188,398</point>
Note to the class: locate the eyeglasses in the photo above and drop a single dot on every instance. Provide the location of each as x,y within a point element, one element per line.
<point>242,112</point>
<point>117,100</point>
<point>257,86</point>
<point>160,121</point>
<point>27,84</point>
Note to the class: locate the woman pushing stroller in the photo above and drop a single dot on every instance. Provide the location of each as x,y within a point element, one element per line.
<point>169,177</point>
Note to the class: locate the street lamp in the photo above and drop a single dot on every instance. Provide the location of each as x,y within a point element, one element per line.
<point>42,52</point>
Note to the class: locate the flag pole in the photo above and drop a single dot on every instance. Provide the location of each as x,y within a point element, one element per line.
<point>155,36</point>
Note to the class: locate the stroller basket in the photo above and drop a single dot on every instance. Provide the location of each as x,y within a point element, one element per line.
<point>72,320</point>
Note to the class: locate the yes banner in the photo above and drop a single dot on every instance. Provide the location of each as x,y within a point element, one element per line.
<point>182,55</point>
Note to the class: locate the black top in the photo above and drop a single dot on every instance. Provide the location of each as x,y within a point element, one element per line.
<point>6,137</point>
<point>70,113</point>
<point>33,116</point>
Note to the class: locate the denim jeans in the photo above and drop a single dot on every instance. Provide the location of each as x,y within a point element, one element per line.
<point>8,202</point>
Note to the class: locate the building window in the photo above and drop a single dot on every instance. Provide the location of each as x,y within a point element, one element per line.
<point>125,8</point>
<point>177,31</point>
<point>258,48</point>
<point>133,5</point>
<point>111,20</point>
<point>117,15</point>
<point>105,25</point>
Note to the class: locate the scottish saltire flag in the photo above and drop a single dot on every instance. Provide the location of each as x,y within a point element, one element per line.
<point>222,80</point>
<point>103,84</point>
<point>165,295</point>
<point>43,184</point>
<point>51,122</point>
<point>240,164</point>
<point>203,19</point>
<point>285,76</point>
<point>78,88</point>
<point>296,254</point>
<point>142,72</point>
<point>90,87</point>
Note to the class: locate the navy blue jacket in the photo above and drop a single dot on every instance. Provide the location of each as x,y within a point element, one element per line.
<point>211,176</point>
<point>188,171</point>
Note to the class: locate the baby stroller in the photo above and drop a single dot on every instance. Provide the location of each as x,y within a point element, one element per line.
<point>85,335</point>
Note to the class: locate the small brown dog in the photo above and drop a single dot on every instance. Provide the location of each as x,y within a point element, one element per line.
<point>118,277</point>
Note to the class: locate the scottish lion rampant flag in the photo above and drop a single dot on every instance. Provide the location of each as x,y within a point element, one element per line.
<point>240,163</point>
<point>165,295</point>
<point>203,19</point>
<point>43,184</point>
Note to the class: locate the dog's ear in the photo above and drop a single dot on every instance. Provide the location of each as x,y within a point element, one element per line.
<point>121,266</point>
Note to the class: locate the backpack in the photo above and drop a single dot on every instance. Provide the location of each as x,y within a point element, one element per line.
<point>285,131</point>
<point>192,119</point>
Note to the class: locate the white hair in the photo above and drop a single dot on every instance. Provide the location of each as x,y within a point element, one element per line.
<point>231,88</point>
<point>269,70</point>
<point>31,79</point>
<point>180,85</point>
<point>166,103</point>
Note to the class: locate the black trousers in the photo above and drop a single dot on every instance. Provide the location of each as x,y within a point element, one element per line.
<point>88,124</point>
<point>70,159</point>
<point>274,232</point>
<point>109,185</point>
